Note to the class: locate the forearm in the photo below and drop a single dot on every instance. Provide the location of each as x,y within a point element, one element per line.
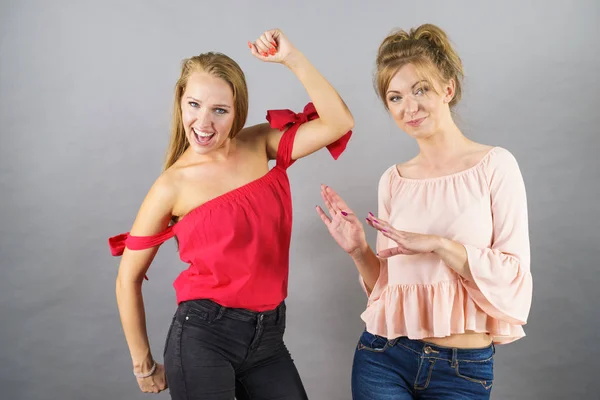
<point>331,108</point>
<point>368,266</point>
<point>454,256</point>
<point>133,319</point>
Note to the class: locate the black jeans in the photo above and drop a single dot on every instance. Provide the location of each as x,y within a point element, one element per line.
<point>215,353</point>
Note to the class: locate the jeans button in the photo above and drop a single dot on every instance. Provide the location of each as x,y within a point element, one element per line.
<point>261,317</point>
<point>427,349</point>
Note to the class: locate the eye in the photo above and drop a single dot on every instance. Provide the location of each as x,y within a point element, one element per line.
<point>221,111</point>
<point>421,91</point>
<point>193,104</point>
<point>394,99</point>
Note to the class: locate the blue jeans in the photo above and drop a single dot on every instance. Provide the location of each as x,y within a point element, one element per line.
<point>402,368</point>
<point>218,353</point>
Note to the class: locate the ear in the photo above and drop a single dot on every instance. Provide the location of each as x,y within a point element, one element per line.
<point>449,91</point>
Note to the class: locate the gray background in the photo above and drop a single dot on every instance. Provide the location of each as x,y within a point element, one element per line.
<point>85,101</point>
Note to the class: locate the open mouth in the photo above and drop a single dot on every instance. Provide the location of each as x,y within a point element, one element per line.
<point>202,138</point>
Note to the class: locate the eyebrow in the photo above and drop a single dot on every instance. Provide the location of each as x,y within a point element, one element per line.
<point>412,87</point>
<point>215,105</point>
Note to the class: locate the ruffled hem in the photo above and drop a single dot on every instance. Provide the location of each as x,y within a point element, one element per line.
<point>436,310</point>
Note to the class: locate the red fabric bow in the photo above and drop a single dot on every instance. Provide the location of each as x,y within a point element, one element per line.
<point>283,119</point>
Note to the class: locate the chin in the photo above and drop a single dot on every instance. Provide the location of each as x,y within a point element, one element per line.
<point>418,133</point>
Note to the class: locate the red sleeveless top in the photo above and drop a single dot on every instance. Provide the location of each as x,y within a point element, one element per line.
<point>237,245</point>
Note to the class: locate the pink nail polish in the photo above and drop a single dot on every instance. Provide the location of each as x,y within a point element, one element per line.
<point>344,213</point>
<point>383,230</point>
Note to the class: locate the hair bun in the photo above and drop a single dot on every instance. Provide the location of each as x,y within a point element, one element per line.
<point>435,36</point>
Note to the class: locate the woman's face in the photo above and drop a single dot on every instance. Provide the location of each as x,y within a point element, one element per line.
<point>207,112</point>
<point>419,109</point>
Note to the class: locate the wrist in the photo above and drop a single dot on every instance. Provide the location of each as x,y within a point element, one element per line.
<point>441,244</point>
<point>150,372</point>
<point>143,365</point>
<point>294,60</point>
<point>360,251</point>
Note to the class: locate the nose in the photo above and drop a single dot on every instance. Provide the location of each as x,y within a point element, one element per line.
<point>204,118</point>
<point>410,106</point>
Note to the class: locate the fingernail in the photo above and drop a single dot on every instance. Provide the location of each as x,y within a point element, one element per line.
<point>370,213</point>
<point>249,45</point>
<point>272,52</point>
<point>274,44</point>
<point>344,213</point>
<point>383,230</point>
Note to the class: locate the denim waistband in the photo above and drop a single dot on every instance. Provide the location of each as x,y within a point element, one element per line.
<point>447,353</point>
<point>240,314</point>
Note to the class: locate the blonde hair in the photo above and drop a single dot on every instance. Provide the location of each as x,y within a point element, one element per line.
<point>221,66</point>
<point>428,48</point>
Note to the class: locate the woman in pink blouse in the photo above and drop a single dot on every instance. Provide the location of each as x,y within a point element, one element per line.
<point>451,275</point>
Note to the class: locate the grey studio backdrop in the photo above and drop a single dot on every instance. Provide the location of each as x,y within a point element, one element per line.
<point>85,101</point>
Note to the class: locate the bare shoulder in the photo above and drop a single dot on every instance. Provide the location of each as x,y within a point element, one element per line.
<point>156,209</point>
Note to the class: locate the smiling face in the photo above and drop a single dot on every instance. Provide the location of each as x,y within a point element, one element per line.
<point>207,111</point>
<point>419,106</point>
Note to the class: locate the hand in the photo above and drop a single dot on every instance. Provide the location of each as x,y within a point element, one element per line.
<point>272,46</point>
<point>344,226</point>
<point>409,243</point>
<point>155,383</point>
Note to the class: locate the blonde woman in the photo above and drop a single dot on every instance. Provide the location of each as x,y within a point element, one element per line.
<point>451,275</point>
<point>232,217</point>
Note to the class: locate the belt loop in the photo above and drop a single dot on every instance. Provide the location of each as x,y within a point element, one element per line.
<point>220,313</point>
<point>280,311</point>
<point>454,357</point>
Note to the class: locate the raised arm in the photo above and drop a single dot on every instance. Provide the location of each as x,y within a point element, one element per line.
<point>335,118</point>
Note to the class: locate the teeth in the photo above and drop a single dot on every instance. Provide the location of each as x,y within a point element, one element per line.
<point>203,134</point>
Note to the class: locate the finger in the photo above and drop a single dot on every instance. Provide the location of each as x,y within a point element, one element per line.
<point>339,205</point>
<point>262,46</point>
<point>271,39</point>
<point>336,199</point>
<point>332,211</point>
<point>382,225</point>
<point>378,221</point>
<point>326,220</point>
<point>391,252</point>
<point>255,52</point>
<point>265,41</point>
<point>271,50</point>
<point>393,235</point>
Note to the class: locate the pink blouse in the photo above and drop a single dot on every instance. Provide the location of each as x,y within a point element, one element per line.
<point>485,209</point>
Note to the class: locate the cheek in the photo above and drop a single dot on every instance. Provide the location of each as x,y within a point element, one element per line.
<point>395,111</point>
<point>187,118</point>
<point>224,122</point>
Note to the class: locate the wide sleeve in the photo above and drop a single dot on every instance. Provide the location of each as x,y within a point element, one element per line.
<point>502,283</point>
<point>384,200</point>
